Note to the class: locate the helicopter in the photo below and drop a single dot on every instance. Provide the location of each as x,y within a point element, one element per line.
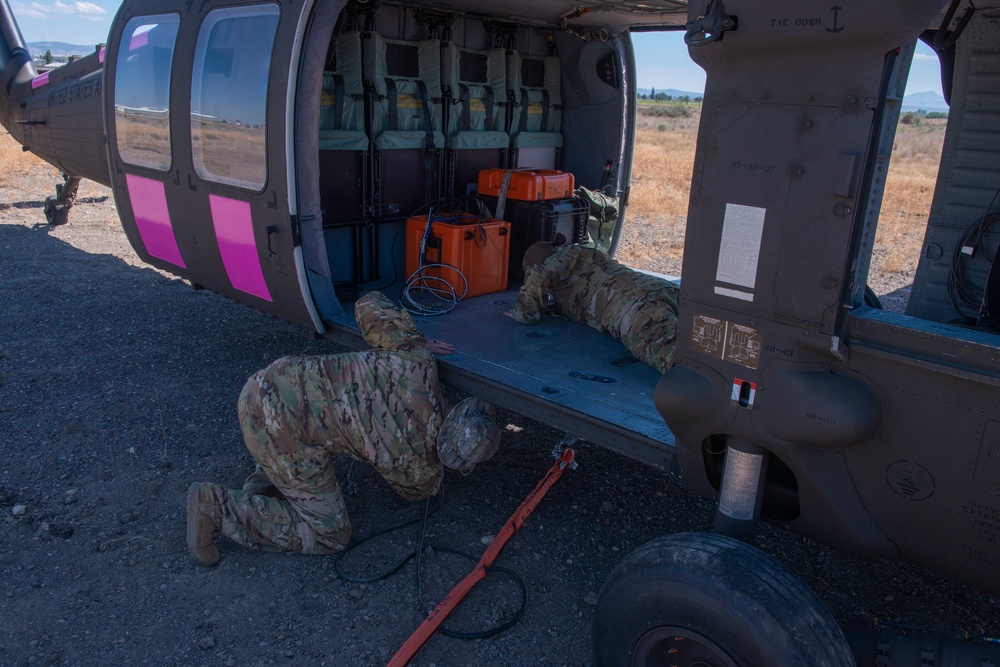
<point>294,156</point>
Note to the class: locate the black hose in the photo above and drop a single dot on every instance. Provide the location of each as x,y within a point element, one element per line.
<point>417,554</point>
<point>944,39</point>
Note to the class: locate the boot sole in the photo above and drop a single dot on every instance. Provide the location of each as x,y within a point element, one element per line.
<point>192,533</point>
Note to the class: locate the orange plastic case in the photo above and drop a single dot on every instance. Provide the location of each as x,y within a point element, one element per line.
<point>478,249</point>
<point>527,184</point>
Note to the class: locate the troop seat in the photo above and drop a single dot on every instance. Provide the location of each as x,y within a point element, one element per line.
<point>534,87</point>
<point>405,81</point>
<point>343,143</point>
<point>475,87</point>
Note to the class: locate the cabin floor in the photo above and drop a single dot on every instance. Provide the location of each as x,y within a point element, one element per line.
<point>558,372</point>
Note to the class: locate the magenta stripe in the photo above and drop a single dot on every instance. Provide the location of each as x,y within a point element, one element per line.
<point>149,204</point>
<point>40,80</point>
<point>234,232</point>
<point>100,55</point>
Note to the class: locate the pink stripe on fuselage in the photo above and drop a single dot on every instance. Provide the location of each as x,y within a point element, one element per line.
<point>234,232</point>
<point>40,80</point>
<point>149,203</point>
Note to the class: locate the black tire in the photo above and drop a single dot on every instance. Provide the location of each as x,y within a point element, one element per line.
<point>55,214</point>
<point>703,599</point>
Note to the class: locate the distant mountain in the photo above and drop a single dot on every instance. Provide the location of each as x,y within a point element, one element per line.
<point>673,92</point>
<point>929,101</point>
<point>38,49</point>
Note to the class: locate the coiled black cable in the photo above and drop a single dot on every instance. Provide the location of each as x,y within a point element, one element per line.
<point>966,296</point>
<point>417,554</point>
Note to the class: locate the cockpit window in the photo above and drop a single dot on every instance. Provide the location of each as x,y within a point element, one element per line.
<point>229,95</point>
<point>142,91</point>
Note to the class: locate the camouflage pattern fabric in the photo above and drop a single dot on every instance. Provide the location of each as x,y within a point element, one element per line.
<point>636,308</point>
<point>382,406</point>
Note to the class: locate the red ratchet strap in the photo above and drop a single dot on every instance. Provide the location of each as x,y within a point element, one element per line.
<point>448,604</point>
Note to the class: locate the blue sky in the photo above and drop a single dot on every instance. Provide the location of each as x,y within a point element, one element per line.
<point>74,21</point>
<point>662,58</point>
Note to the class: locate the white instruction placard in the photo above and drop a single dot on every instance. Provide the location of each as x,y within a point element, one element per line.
<point>739,484</point>
<point>739,250</point>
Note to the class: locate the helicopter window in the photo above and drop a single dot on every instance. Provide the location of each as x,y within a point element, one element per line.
<point>229,95</point>
<point>142,91</point>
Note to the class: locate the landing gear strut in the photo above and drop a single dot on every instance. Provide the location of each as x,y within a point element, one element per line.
<point>57,208</point>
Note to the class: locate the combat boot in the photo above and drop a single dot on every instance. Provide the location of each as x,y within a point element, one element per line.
<point>204,521</point>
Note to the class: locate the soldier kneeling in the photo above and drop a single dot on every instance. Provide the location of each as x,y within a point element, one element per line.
<point>383,406</point>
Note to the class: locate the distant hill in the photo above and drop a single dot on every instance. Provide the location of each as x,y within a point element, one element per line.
<point>38,49</point>
<point>673,92</point>
<point>929,101</point>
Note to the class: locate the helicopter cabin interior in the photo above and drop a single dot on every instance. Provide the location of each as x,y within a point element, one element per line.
<point>485,128</point>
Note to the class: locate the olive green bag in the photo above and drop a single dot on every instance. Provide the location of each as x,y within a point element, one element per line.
<point>602,219</point>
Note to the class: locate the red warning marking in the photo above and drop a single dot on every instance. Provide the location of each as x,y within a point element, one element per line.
<point>744,392</point>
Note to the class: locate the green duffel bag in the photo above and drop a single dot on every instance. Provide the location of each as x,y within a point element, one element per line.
<point>603,217</point>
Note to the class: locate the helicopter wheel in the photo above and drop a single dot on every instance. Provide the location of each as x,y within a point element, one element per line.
<point>55,213</point>
<point>706,600</point>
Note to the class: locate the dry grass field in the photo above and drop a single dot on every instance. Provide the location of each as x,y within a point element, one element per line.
<point>664,154</point>
<point>13,160</point>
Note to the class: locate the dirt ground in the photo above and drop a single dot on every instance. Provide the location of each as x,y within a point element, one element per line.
<point>118,387</point>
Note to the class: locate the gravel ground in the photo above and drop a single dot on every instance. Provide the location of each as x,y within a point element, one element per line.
<point>118,387</point>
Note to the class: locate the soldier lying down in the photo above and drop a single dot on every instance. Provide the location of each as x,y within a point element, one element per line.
<point>636,308</point>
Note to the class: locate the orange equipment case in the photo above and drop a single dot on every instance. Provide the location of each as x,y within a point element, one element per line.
<point>527,184</point>
<point>479,249</point>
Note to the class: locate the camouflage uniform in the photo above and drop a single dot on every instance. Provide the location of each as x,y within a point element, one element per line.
<point>382,406</point>
<point>636,308</point>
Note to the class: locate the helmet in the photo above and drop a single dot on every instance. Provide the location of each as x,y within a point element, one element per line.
<point>468,435</point>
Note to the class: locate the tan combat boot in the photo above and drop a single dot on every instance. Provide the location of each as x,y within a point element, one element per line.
<point>204,521</point>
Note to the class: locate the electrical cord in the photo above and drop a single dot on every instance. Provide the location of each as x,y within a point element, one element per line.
<point>422,282</point>
<point>963,293</point>
<point>417,555</point>
<point>483,634</point>
<point>392,281</point>
<point>428,511</point>
<point>426,291</point>
<point>482,211</point>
